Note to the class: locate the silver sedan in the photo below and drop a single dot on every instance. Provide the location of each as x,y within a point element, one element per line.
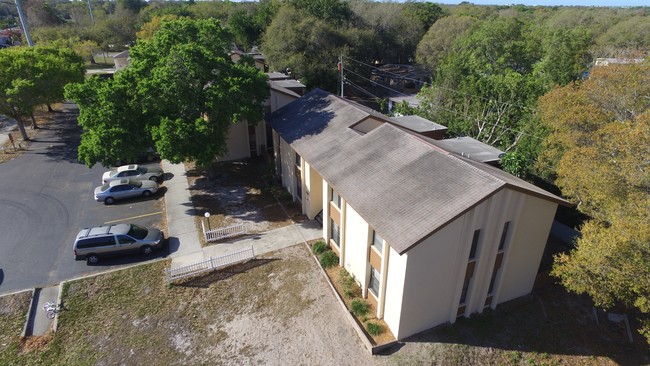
<point>124,188</point>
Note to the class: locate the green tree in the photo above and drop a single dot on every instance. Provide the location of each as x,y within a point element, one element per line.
<point>33,76</point>
<point>600,157</point>
<point>308,46</point>
<point>484,87</point>
<point>180,94</point>
<point>438,42</point>
<point>566,55</point>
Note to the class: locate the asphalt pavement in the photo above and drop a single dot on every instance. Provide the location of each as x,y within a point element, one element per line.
<point>45,199</point>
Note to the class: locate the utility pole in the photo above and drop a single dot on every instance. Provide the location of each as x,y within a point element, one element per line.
<point>90,10</point>
<point>23,22</point>
<point>340,65</point>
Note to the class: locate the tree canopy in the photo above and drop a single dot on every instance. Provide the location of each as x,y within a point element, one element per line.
<point>31,76</point>
<point>598,148</point>
<point>179,94</point>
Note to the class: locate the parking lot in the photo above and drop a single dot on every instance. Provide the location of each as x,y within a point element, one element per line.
<point>46,197</point>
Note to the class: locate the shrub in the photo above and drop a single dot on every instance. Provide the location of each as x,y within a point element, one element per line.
<point>349,293</point>
<point>374,329</point>
<point>359,307</point>
<point>319,247</point>
<point>328,259</point>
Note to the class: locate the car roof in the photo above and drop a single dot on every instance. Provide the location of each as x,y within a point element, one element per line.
<point>119,229</point>
<point>127,167</point>
<point>119,182</point>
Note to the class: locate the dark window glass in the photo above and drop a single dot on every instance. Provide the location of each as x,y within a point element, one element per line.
<point>336,234</point>
<point>377,241</point>
<point>374,281</point>
<point>504,235</point>
<point>472,251</point>
<point>123,239</point>
<point>137,232</point>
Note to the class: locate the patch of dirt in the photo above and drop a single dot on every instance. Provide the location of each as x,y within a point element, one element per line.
<point>240,192</point>
<point>335,276</point>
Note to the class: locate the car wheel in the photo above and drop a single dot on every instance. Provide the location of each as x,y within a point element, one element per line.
<point>155,179</point>
<point>146,250</point>
<point>92,259</point>
<point>109,200</point>
<point>146,193</point>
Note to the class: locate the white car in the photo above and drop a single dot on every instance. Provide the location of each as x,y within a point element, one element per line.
<point>133,172</point>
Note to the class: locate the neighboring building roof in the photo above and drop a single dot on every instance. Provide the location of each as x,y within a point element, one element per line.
<point>471,148</point>
<point>289,83</point>
<point>278,76</point>
<point>123,54</point>
<point>424,186</point>
<point>417,124</point>
<point>283,90</point>
<point>412,99</point>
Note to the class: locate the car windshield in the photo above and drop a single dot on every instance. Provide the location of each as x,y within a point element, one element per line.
<point>104,187</point>
<point>138,232</point>
<point>112,173</point>
<point>142,169</point>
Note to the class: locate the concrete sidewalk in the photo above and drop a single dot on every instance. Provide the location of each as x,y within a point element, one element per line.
<point>184,244</point>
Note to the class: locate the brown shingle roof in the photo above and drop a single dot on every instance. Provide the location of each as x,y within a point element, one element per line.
<point>404,187</point>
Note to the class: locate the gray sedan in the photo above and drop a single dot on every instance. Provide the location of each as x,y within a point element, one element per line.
<point>133,171</point>
<point>124,188</point>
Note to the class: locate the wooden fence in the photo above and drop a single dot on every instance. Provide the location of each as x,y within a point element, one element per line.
<point>210,264</point>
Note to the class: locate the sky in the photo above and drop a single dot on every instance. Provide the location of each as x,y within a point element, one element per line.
<point>624,3</point>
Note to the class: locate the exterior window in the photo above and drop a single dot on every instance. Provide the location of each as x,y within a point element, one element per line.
<point>504,235</point>
<point>472,252</point>
<point>298,160</point>
<point>298,173</point>
<point>336,199</point>
<point>374,282</point>
<point>463,294</point>
<point>377,242</point>
<point>492,280</point>
<point>336,233</point>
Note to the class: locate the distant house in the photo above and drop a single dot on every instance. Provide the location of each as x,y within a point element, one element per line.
<point>258,58</point>
<point>429,235</point>
<point>121,60</point>
<point>616,61</point>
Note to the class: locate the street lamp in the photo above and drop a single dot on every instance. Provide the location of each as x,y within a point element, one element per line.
<point>207,218</point>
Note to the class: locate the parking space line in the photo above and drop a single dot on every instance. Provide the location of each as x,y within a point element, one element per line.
<point>133,217</point>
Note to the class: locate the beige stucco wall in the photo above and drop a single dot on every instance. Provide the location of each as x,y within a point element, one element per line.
<point>522,262</point>
<point>237,142</point>
<point>279,99</point>
<point>394,290</point>
<point>356,246</point>
<point>287,156</point>
<point>436,267</point>
<point>314,183</point>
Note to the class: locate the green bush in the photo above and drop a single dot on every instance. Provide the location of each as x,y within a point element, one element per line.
<point>359,307</point>
<point>328,259</point>
<point>374,329</point>
<point>319,247</point>
<point>349,293</point>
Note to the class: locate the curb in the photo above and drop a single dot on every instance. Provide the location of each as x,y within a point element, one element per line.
<point>30,309</point>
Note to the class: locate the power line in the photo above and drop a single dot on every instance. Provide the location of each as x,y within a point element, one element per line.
<point>471,119</point>
<point>397,76</point>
